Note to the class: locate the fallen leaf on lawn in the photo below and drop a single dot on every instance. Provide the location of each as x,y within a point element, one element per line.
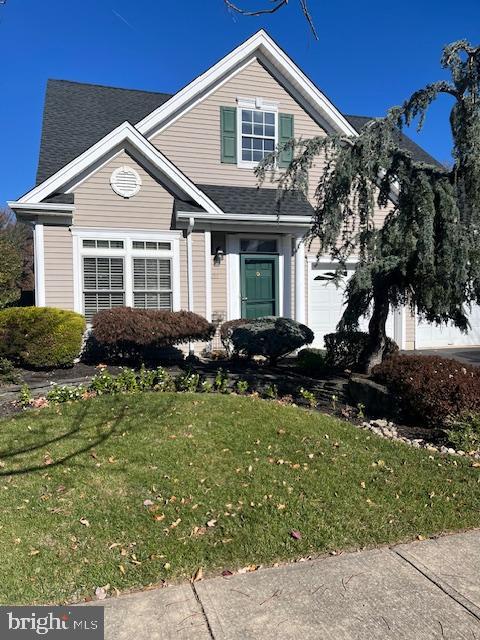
<point>159,517</point>
<point>167,566</point>
<point>114,544</point>
<point>199,531</point>
<point>249,568</point>
<point>226,573</point>
<point>198,575</point>
<point>34,552</point>
<point>211,523</point>
<point>280,506</point>
<point>296,535</point>
<point>147,503</point>
<point>363,485</point>
<point>85,522</point>
<point>101,593</point>
<point>47,459</point>
<point>122,569</point>
<point>176,523</point>
<point>475,464</point>
<point>111,459</point>
<point>419,537</point>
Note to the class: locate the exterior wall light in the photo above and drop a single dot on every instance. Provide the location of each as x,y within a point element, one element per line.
<point>219,255</point>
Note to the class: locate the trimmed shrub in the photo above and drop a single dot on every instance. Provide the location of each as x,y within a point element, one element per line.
<point>41,337</point>
<point>270,337</point>
<point>430,389</point>
<point>226,331</point>
<point>312,361</point>
<point>138,334</point>
<point>345,349</point>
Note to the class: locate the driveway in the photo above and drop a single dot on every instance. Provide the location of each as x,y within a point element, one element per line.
<point>468,355</point>
<point>422,590</point>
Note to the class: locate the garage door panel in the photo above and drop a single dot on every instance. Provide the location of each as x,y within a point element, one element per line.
<point>327,303</point>
<point>430,336</point>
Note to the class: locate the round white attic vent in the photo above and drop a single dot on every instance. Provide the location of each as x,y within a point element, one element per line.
<point>125,181</point>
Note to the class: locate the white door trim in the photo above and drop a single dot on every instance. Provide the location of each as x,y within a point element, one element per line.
<point>234,309</point>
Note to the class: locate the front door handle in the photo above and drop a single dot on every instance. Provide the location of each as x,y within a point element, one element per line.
<point>244,299</point>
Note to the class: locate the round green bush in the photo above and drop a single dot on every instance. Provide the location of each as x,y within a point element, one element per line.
<point>270,337</point>
<point>41,337</point>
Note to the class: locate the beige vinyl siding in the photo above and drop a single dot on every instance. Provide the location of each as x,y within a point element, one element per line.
<point>97,205</point>
<point>198,268</point>
<point>219,279</point>
<point>193,141</point>
<point>58,251</point>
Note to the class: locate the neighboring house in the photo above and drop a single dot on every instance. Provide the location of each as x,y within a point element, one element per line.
<point>150,200</point>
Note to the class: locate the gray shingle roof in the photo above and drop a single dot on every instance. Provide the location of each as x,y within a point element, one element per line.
<point>406,143</point>
<point>250,201</point>
<point>77,115</point>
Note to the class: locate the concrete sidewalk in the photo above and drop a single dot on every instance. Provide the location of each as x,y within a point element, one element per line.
<point>428,589</point>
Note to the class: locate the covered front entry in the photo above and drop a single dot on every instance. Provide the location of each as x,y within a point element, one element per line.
<point>259,285</point>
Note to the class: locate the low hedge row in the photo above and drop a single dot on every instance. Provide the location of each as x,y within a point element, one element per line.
<point>40,337</point>
<point>136,335</point>
<point>430,389</point>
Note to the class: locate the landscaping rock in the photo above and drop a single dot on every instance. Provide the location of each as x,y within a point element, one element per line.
<point>376,398</point>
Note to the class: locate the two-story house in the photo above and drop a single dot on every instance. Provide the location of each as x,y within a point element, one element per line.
<point>150,200</point>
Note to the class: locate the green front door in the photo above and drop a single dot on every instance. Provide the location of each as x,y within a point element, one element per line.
<point>259,285</point>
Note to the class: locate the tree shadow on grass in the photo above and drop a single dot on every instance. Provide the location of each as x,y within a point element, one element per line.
<point>102,435</point>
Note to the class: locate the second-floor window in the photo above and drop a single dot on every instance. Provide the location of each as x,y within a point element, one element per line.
<point>258,134</point>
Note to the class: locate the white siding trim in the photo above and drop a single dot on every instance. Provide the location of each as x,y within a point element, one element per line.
<point>286,248</point>
<point>39,250</point>
<point>233,277</point>
<point>300,279</point>
<point>190,265</point>
<point>208,274</point>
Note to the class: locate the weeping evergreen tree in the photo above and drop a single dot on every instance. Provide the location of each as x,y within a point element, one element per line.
<point>427,253</point>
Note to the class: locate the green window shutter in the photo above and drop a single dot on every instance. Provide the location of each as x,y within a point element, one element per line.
<point>285,133</point>
<point>228,127</point>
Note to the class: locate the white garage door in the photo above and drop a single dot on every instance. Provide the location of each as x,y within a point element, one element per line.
<point>326,304</point>
<point>430,336</point>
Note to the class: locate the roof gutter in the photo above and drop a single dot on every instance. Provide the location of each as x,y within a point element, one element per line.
<point>43,208</point>
<point>241,217</point>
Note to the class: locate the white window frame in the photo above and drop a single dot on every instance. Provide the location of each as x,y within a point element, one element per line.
<point>253,104</point>
<point>127,253</point>
<point>160,254</point>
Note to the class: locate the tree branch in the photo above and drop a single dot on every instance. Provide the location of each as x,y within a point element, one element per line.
<point>277,4</point>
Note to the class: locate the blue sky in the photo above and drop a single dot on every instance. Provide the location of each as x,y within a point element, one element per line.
<point>369,55</point>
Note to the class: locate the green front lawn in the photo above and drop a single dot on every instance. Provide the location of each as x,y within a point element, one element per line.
<point>225,479</point>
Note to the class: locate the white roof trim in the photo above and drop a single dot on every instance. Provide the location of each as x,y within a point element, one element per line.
<point>262,42</point>
<point>250,218</point>
<point>41,206</point>
<point>123,133</point>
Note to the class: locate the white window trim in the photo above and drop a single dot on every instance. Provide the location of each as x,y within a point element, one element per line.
<point>128,253</point>
<point>234,309</point>
<point>253,104</point>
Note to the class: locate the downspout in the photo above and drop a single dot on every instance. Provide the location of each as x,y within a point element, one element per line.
<point>191,224</point>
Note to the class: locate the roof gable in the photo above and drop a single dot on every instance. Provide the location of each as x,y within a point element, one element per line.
<point>123,137</point>
<point>280,65</point>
